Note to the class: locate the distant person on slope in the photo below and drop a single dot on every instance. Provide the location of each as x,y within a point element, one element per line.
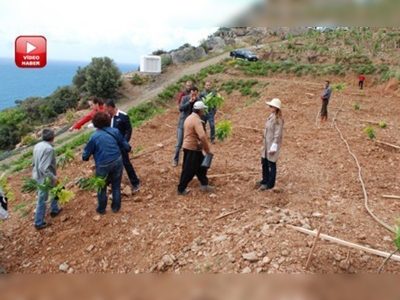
<point>186,91</point>
<point>272,142</point>
<point>122,122</point>
<point>325,101</point>
<point>96,104</point>
<point>186,108</point>
<point>361,79</point>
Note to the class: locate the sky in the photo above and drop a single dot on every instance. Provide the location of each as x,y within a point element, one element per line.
<point>122,30</point>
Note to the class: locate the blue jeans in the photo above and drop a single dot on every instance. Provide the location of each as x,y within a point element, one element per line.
<point>41,207</point>
<point>179,142</point>
<point>268,172</point>
<point>210,118</point>
<point>113,171</point>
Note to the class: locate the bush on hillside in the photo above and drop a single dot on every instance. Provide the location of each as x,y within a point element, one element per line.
<point>13,126</point>
<point>103,78</point>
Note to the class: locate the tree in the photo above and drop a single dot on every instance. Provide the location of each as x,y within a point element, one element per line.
<point>12,127</point>
<point>103,78</point>
<point>64,98</point>
<point>79,79</point>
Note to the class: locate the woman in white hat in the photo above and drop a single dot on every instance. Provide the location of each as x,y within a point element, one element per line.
<point>272,142</point>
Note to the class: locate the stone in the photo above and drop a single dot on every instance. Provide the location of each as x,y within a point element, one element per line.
<point>251,256</point>
<point>96,218</point>
<point>266,260</point>
<point>63,267</point>
<point>127,191</point>
<point>246,270</point>
<point>168,260</point>
<point>219,238</point>
<point>90,248</point>
<point>285,252</point>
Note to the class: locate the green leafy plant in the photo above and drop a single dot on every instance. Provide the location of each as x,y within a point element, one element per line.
<point>356,106</point>
<point>213,101</point>
<point>370,131</point>
<point>95,183</point>
<point>56,192</point>
<point>382,124</point>
<point>223,129</point>
<point>66,158</point>
<point>138,149</point>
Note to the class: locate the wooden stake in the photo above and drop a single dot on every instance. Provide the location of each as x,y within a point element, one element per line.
<point>387,144</point>
<point>391,196</point>
<point>347,244</point>
<point>313,248</point>
<point>227,214</point>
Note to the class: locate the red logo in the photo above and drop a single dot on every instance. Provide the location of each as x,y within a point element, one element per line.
<point>30,51</point>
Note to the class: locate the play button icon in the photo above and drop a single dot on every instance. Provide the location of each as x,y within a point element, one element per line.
<point>30,51</point>
<point>30,47</point>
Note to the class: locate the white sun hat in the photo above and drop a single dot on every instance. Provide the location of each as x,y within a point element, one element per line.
<point>199,105</point>
<point>275,103</point>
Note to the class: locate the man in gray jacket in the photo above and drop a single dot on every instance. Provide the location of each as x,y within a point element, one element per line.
<point>44,166</point>
<point>186,108</point>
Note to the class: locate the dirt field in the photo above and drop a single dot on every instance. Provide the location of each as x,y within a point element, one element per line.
<point>237,228</point>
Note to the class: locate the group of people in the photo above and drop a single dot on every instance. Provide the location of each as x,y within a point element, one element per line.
<point>109,145</point>
<point>191,136</point>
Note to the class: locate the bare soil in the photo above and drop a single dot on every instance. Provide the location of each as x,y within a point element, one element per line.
<point>319,185</point>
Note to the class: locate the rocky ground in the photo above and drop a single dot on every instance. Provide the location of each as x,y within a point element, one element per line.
<point>236,228</point>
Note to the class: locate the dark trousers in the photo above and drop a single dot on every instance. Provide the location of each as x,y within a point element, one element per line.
<point>129,168</point>
<point>268,172</point>
<point>361,84</point>
<point>324,108</point>
<point>192,166</point>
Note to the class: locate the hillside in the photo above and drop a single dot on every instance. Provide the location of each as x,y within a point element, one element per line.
<point>236,229</point>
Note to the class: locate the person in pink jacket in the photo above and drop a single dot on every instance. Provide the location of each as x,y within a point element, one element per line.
<point>272,143</point>
<point>96,104</point>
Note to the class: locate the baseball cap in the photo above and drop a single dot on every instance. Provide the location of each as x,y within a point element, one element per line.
<point>199,105</point>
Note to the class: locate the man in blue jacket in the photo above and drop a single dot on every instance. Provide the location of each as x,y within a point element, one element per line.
<point>122,122</point>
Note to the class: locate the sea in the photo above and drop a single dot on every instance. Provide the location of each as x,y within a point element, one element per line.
<point>22,83</point>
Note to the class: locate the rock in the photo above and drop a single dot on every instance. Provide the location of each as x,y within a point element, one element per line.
<point>231,257</point>
<point>137,199</point>
<point>365,257</point>
<point>96,218</point>
<point>246,270</point>
<point>90,248</point>
<point>149,197</point>
<point>63,267</point>
<point>317,214</point>
<point>343,265</point>
<point>266,260</point>
<point>306,226</point>
<point>127,191</point>
<point>337,257</point>
<point>70,271</point>
<point>251,256</point>
<point>219,238</point>
<point>64,218</point>
<point>285,253</point>
<point>167,259</point>
<point>212,195</point>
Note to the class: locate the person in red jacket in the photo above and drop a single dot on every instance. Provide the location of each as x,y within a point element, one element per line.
<point>96,104</point>
<point>361,81</point>
<point>186,91</point>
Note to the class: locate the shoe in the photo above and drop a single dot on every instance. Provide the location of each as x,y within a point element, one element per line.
<point>175,164</point>
<point>136,187</point>
<point>115,211</point>
<point>207,188</point>
<point>264,187</point>
<point>100,212</point>
<point>185,192</point>
<point>43,225</point>
<point>259,182</point>
<point>55,214</point>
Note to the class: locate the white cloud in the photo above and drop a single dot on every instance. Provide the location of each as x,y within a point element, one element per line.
<point>80,30</point>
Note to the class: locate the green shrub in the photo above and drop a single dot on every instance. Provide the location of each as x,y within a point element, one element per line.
<point>138,79</point>
<point>382,124</point>
<point>370,131</point>
<point>356,106</point>
<point>223,129</point>
<point>143,112</point>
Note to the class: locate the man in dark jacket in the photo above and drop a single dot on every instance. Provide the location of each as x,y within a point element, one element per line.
<point>186,108</point>
<point>122,122</point>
